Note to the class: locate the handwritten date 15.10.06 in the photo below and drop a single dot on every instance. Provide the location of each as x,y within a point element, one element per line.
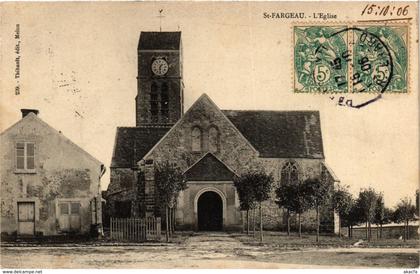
<point>385,10</point>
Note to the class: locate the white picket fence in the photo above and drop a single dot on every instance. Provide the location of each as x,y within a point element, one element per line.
<point>135,229</point>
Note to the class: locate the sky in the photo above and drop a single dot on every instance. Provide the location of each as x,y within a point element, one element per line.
<point>78,66</point>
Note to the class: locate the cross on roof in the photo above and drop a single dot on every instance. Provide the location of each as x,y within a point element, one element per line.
<point>160,19</point>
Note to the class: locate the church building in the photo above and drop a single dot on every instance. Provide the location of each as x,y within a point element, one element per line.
<point>210,145</point>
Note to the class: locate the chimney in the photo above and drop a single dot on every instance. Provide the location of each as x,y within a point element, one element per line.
<point>26,111</point>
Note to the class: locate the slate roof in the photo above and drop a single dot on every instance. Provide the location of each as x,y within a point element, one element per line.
<point>159,40</point>
<point>132,144</point>
<point>280,134</point>
<point>209,168</point>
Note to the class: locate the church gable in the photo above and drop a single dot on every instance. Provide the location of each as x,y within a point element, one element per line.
<point>209,168</point>
<point>204,128</point>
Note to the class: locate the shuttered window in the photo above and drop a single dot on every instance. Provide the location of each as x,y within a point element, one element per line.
<point>25,156</point>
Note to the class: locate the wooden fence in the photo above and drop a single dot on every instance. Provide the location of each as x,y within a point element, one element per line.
<point>135,229</point>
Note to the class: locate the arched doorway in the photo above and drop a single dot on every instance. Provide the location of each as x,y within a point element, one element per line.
<point>210,211</point>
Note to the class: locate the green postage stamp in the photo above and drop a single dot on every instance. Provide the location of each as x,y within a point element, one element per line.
<point>351,59</point>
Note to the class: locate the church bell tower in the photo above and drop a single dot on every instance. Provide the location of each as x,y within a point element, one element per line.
<point>159,100</point>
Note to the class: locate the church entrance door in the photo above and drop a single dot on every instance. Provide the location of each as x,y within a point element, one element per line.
<point>210,212</point>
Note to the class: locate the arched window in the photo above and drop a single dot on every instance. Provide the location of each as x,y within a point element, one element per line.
<point>213,139</point>
<point>196,139</point>
<point>289,173</point>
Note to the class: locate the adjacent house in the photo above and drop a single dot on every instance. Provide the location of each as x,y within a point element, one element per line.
<point>49,185</point>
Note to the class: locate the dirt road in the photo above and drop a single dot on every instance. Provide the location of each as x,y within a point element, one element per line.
<point>216,250</point>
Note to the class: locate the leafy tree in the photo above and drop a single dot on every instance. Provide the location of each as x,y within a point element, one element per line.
<point>354,216</point>
<point>286,196</point>
<point>318,194</point>
<point>301,202</point>
<point>260,187</point>
<point>246,196</point>
<point>379,216</point>
<point>388,215</point>
<point>405,212</point>
<point>342,202</point>
<point>169,181</point>
<point>367,201</point>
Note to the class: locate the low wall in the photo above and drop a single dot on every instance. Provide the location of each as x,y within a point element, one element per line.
<point>388,232</point>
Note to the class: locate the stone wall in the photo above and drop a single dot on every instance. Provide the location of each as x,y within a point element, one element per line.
<point>388,232</point>
<point>275,218</point>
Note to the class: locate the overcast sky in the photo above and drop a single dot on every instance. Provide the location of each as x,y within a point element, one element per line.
<point>79,66</point>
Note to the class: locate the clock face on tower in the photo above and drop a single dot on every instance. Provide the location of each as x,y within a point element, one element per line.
<point>160,67</point>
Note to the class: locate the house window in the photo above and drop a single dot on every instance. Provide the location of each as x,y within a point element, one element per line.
<point>196,139</point>
<point>213,139</point>
<point>289,173</point>
<point>25,156</point>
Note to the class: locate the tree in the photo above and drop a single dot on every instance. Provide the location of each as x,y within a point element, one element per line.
<point>417,201</point>
<point>262,188</point>
<point>246,196</point>
<point>169,181</point>
<point>301,202</point>
<point>318,194</point>
<point>379,216</point>
<point>354,217</point>
<point>342,202</point>
<point>405,212</point>
<point>259,186</point>
<point>367,202</point>
<point>294,197</point>
<point>286,196</point>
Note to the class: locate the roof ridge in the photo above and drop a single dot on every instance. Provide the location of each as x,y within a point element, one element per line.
<point>160,31</point>
<point>268,110</point>
<point>147,127</point>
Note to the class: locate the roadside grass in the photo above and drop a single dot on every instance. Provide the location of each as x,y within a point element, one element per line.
<point>349,259</point>
<point>280,239</point>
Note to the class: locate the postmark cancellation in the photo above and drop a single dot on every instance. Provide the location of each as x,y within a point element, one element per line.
<point>351,58</point>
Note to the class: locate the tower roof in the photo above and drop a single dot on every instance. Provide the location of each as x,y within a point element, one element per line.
<point>159,40</point>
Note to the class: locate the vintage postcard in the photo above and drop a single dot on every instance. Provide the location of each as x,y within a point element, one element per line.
<point>209,135</point>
